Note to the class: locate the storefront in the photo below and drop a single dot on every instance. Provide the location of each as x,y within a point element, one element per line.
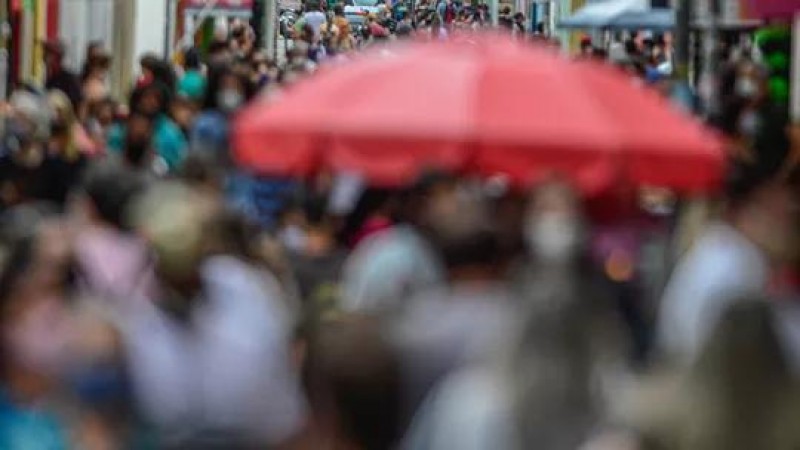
<point>198,17</point>
<point>29,23</point>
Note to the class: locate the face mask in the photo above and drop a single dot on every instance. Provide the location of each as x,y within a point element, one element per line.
<point>553,237</point>
<point>746,88</point>
<point>229,100</point>
<point>749,124</point>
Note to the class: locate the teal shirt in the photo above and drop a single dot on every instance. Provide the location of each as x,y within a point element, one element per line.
<point>29,429</point>
<point>192,85</point>
<point>168,141</point>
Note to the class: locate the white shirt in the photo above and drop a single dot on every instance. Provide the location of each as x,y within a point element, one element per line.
<point>724,267</point>
<point>227,370</point>
<point>388,268</point>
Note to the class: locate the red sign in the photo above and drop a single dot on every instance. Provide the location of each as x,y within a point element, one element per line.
<point>221,4</point>
<point>774,8</point>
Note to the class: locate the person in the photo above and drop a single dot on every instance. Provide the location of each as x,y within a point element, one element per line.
<point>95,78</point>
<point>54,382</point>
<point>137,150</point>
<point>318,264</point>
<point>111,262</point>
<point>740,393</point>
<point>192,85</point>
<point>352,377</point>
<point>69,138</point>
<point>732,259</point>
<point>313,17</point>
<point>27,171</point>
<point>405,27</point>
<point>94,52</point>
<point>391,266</point>
<point>536,384</point>
<point>505,20</point>
<point>170,145</point>
<point>227,92</point>
<point>343,41</point>
<point>443,329</point>
<point>209,354</point>
<point>375,29</point>
<point>58,76</point>
<point>519,24</point>
<point>100,117</point>
<point>35,338</point>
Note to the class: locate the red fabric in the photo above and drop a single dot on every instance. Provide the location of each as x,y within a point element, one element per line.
<point>371,227</point>
<point>774,8</point>
<point>491,107</point>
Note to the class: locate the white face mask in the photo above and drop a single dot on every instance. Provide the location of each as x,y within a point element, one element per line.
<point>746,87</point>
<point>749,123</point>
<point>229,100</point>
<point>553,237</point>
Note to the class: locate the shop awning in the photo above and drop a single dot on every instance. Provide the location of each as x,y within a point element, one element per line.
<point>230,8</point>
<point>601,13</point>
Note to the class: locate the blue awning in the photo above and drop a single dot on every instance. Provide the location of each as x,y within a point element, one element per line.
<point>659,19</point>
<point>601,13</point>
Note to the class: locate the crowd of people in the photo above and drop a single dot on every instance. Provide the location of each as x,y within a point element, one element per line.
<point>154,295</point>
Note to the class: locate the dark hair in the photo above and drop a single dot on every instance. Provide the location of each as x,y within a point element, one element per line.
<point>338,9</point>
<point>353,372</point>
<point>192,59</point>
<point>216,75</point>
<point>111,187</point>
<point>155,87</point>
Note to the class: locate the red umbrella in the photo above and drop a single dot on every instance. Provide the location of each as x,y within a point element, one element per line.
<point>492,107</point>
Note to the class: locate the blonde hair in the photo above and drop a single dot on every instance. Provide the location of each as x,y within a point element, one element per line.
<point>61,107</point>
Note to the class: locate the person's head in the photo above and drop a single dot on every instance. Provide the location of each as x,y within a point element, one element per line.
<point>138,150</point>
<point>554,224</point>
<point>470,246</point>
<point>314,5</point>
<point>54,52</point>
<point>62,124</point>
<point>104,111</point>
<point>107,191</point>
<point>191,59</point>
<point>227,90</point>
<point>183,111</point>
<point>99,64</point>
<point>428,200</point>
<point>352,377</point>
<point>175,220</point>
<point>150,100</point>
<point>28,123</point>
<point>338,10</point>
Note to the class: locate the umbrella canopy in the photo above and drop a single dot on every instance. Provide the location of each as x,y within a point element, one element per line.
<point>490,107</point>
